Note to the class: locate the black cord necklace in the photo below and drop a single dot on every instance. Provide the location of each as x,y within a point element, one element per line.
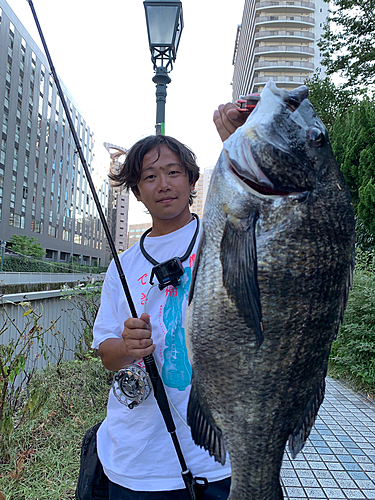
<point>170,271</point>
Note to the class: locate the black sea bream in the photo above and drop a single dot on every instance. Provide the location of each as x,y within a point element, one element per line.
<point>269,289</point>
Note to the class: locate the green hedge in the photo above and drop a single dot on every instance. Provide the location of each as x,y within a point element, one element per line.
<point>30,265</point>
<point>353,353</point>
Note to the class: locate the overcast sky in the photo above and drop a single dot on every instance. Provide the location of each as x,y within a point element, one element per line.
<point>100,51</point>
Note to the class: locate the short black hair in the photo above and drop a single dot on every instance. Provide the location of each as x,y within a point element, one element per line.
<point>129,174</point>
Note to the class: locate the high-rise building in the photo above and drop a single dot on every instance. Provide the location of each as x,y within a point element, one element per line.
<point>136,231</point>
<point>44,192</point>
<point>201,189</point>
<point>118,200</point>
<point>277,41</point>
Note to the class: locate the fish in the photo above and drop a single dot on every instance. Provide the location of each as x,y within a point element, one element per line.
<point>270,283</point>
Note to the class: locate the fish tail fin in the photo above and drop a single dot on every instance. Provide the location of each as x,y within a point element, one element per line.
<point>204,430</point>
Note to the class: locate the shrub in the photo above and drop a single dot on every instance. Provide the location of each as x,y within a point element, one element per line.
<point>31,265</point>
<point>18,401</point>
<point>353,353</point>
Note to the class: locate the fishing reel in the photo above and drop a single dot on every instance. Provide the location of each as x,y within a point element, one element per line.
<point>131,385</point>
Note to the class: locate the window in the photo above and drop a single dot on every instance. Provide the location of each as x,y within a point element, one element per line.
<point>52,231</point>
<point>17,133</point>
<point>5,122</point>
<point>3,150</point>
<point>6,97</point>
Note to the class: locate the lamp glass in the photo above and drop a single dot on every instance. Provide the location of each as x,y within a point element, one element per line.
<point>161,22</point>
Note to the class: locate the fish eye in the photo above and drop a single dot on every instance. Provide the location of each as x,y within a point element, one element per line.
<point>316,137</point>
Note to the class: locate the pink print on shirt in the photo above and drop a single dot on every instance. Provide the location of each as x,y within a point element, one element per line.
<point>142,279</point>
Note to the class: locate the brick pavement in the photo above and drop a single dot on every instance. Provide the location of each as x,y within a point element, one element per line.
<point>338,460</point>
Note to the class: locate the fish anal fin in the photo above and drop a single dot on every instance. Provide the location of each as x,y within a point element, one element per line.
<point>204,430</point>
<point>298,437</point>
<point>238,257</point>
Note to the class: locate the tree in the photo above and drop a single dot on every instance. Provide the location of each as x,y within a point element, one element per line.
<point>328,100</point>
<point>24,245</point>
<point>348,42</point>
<point>353,142</point>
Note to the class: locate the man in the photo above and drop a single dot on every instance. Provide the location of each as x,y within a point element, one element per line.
<point>133,445</point>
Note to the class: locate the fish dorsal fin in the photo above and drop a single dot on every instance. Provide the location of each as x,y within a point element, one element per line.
<point>240,271</point>
<point>303,428</point>
<point>204,430</point>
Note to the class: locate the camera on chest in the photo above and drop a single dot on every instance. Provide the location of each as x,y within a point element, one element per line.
<point>168,273</point>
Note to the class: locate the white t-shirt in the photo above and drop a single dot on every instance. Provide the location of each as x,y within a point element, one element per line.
<point>134,446</point>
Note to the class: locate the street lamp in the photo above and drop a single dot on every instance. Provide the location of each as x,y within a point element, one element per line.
<point>164,27</point>
<point>2,246</point>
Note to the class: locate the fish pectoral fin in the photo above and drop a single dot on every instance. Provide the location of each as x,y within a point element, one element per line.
<point>303,428</point>
<point>204,430</point>
<point>201,246</point>
<point>345,294</point>
<point>238,257</point>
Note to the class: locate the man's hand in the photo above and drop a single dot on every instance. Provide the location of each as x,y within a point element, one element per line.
<point>227,119</point>
<point>137,337</point>
<point>136,343</point>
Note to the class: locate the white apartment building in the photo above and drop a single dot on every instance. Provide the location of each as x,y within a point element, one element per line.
<point>277,41</point>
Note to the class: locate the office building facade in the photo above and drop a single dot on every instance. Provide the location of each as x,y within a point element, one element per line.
<point>44,192</point>
<point>136,231</point>
<point>277,40</point>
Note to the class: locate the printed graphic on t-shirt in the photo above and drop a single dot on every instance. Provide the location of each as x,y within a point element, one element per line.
<point>176,371</point>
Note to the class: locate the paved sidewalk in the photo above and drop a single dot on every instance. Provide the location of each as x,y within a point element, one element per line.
<point>338,460</point>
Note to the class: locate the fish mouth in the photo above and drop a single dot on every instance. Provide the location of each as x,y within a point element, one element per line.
<point>260,183</point>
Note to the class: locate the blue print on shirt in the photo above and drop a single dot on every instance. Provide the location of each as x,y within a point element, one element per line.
<point>176,371</point>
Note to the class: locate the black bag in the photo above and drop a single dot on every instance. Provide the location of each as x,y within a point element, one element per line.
<point>92,482</point>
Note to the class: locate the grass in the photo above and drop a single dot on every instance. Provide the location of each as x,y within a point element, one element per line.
<point>44,454</point>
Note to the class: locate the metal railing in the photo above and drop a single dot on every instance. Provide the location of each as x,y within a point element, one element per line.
<point>14,278</point>
<point>284,33</point>
<point>284,3</point>
<point>283,48</point>
<point>280,79</point>
<point>285,19</point>
<point>283,64</point>
<point>62,314</point>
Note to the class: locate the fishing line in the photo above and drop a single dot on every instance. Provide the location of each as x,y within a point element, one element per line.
<point>149,361</point>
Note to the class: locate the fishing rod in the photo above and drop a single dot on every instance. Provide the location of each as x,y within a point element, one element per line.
<point>149,361</point>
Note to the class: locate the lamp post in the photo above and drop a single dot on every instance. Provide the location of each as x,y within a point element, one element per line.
<point>2,245</point>
<point>164,27</point>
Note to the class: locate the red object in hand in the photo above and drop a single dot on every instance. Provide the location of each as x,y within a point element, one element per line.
<point>248,102</point>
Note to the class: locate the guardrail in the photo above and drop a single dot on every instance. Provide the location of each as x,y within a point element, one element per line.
<point>14,278</point>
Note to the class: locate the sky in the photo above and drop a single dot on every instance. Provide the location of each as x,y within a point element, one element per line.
<point>100,51</point>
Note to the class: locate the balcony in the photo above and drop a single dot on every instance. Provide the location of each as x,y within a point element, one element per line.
<point>284,65</point>
<point>290,50</point>
<point>280,79</point>
<point>285,21</point>
<point>284,6</point>
<point>285,36</point>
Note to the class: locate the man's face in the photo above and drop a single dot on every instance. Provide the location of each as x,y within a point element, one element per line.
<point>164,186</point>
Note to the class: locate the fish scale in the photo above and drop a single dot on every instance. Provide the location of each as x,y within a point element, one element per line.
<point>269,288</point>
